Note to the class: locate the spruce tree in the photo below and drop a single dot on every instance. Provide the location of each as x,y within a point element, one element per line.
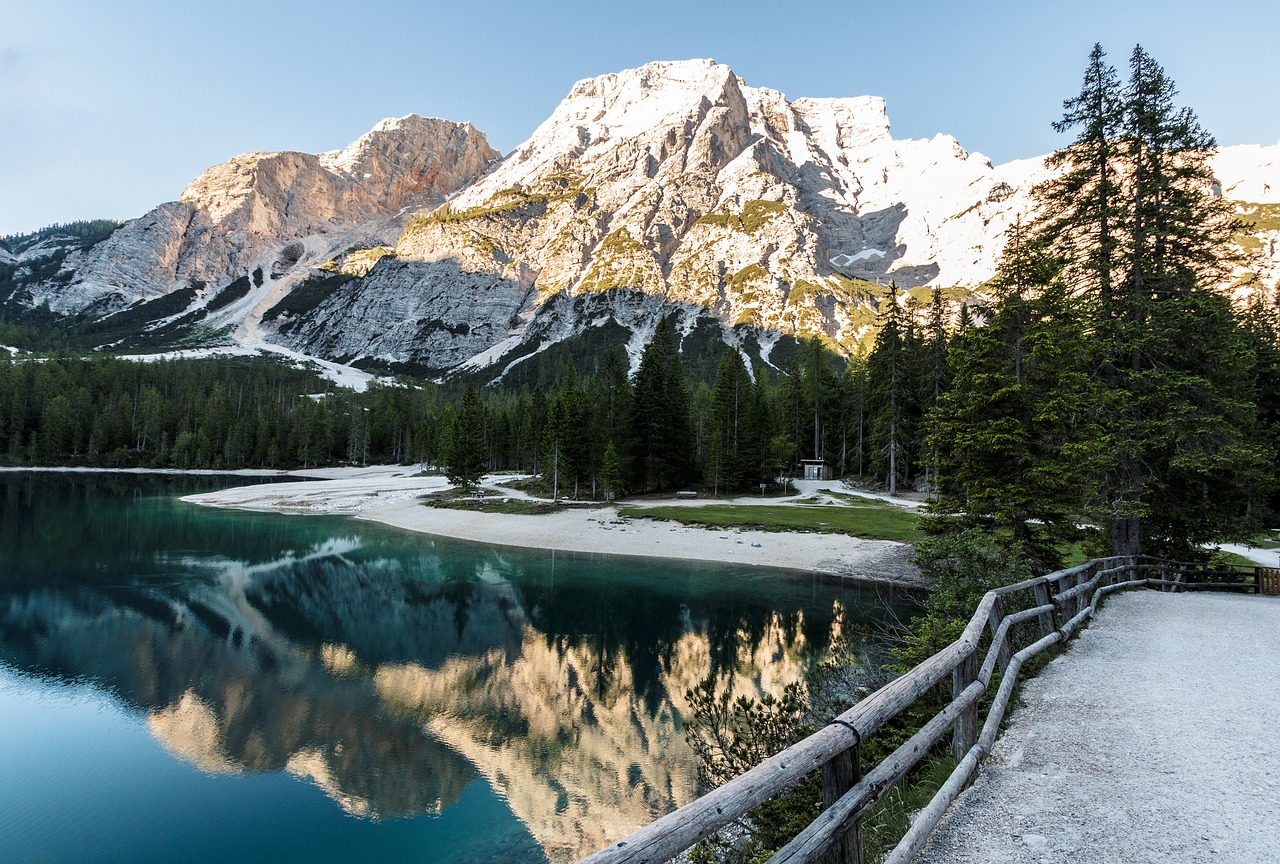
<point>730,417</point>
<point>1014,436</point>
<point>890,386</point>
<point>1143,241</point>
<point>466,451</point>
<point>660,428</point>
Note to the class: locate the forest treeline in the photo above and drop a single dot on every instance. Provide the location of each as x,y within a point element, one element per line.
<point>591,433</point>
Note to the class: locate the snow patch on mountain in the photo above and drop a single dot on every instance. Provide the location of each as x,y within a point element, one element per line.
<point>1249,172</point>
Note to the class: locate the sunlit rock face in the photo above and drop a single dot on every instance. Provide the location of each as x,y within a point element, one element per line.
<point>280,214</point>
<point>679,181</point>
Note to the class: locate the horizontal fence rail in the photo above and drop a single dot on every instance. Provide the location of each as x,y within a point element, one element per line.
<point>1058,604</point>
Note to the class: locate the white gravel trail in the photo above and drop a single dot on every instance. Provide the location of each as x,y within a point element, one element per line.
<point>1154,738</point>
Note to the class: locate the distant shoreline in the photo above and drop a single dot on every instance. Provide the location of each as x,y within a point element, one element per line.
<point>191,472</point>
<point>391,496</point>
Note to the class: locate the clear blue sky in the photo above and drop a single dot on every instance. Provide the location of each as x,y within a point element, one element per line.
<point>109,108</point>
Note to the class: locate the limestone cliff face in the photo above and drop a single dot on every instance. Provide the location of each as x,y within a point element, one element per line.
<point>680,182</point>
<point>276,212</point>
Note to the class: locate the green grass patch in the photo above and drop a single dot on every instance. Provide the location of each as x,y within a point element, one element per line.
<point>754,216</point>
<point>1231,558</point>
<point>620,261</point>
<point>360,261</point>
<point>516,506</point>
<point>870,520</point>
<point>518,200</point>
<point>890,818</point>
<point>751,274</point>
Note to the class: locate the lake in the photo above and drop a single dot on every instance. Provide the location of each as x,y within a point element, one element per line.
<point>184,683</point>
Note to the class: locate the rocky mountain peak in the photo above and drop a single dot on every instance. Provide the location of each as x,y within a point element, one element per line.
<point>401,162</point>
<point>275,212</point>
<point>674,186</point>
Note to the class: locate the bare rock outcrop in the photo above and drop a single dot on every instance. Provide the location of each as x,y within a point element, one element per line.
<point>243,214</point>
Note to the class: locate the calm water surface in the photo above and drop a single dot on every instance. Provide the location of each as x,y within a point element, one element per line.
<point>181,683</point>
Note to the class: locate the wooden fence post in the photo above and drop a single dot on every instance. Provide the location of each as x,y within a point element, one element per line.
<point>1046,618</point>
<point>964,733</point>
<point>839,775</point>
<point>994,618</point>
<point>1082,577</point>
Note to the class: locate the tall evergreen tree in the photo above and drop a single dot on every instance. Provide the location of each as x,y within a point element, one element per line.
<point>1143,241</point>
<point>888,369</point>
<point>660,428</point>
<point>466,453</point>
<point>1083,214</point>
<point>730,417</point>
<point>1015,435</point>
<point>935,378</point>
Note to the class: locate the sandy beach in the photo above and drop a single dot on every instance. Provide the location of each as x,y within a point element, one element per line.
<point>392,496</point>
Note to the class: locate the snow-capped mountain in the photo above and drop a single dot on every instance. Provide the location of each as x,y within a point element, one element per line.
<point>674,187</point>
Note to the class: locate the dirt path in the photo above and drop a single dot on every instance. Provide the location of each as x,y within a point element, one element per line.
<point>1152,739</point>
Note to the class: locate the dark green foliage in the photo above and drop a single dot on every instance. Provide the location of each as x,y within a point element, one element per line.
<point>230,293</point>
<point>1109,381</point>
<point>585,350</point>
<point>1017,434</point>
<point>889,371</point>
<point>702,348</point>
<point>565,441</point>
<point>466,457</point>
<point>734,430</point>
<point>1143,242</point>
<point>85,233</point>
<point>730,736</point>
<point>965,564</point>
<point>41,330</point>
<point>184,414</point>
<point>305,297</point>
<point>661,443</point>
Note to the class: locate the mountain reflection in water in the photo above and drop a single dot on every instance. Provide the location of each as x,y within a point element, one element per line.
<point>393,670</point>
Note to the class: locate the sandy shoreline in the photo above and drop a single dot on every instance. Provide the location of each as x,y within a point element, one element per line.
<point>391,496</point>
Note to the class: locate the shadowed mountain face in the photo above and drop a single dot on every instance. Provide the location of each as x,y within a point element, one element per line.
<point>393,671</point>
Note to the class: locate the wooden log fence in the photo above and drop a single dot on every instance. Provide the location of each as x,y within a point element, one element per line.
<point>1059,603</point>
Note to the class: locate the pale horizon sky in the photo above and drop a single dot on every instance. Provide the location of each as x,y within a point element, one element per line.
<point>107,110</point>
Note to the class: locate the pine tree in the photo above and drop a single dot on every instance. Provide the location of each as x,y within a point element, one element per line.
<point>935,379</point>
<point>1015,434</point>
<point>889,376</point>
<point>660,430</point>
<point>466,451</point>
<point>1083,214</point>
<point>1142,240</point>
<point>611,472</point>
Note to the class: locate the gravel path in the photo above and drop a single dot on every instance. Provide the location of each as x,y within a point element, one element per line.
<point>1154,738</point>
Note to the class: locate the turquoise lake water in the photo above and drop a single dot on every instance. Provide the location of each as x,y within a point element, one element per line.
<point>186,684</point>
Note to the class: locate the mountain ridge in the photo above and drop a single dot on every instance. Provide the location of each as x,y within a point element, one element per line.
<point>417,245</point>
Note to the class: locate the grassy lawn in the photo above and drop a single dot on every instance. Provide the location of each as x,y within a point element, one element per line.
<point>869,520</point>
